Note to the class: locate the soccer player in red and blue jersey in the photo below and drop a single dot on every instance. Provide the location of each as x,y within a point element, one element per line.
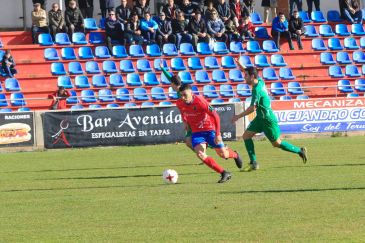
<point>205,126</point>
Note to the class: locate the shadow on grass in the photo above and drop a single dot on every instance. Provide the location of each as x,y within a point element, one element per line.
<point>312,165</point>
<point>298,190</point>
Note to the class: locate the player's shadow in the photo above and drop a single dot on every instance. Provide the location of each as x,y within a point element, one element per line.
<point>296,190</point>
<point>312,165</point>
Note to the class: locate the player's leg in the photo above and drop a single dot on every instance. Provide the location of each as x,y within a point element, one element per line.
<point>254,127</point>
<point>188,140</point>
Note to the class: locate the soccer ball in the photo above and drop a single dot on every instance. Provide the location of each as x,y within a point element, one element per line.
<point>170,176</point>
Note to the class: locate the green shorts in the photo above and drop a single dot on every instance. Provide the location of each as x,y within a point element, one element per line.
<point>188,133</point>
<point>269,127</point>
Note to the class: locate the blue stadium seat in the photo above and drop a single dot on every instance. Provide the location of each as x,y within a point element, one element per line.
<point>57,68</point>
<point>235,75</point>
<point>177,64</point>
<point>357,29</point>
<point>318,17</point>
<point>226,90</point>
<point>261,33</point>
<point>172,94</point>
<point>75,68</point>
<point>68,53</point>
<point>126,66</point>
<point>269,74</point>
<point>85,52</point>
<point>116,80</point>
<point>256,18</point>
<point>344,86</point>
<point>94,106</point>
<point>362,42</point>
<point>325,30</point>
<point>45,39</point>
<point>109,67</point>
<point>335,72</point>
<point>358,57</point>
<point>50,54</point>
<point>269,46</point>
<point>194,63</point>
<point>82,82</point>
<point>211,62</point>
<point>77,107</point>
<point>286,73</point>
<point>96,38</point>
<point>217,101</point>
<point>318,45</point>
<point>343,57</point>
<point>187,49</point>
<point>219,76</point>
<point>165,103</point>
<point>302,97</point>
<point>236,47</point>
<point>350,43</point>
<point>277,88</point>
<point>352,95</point>
<point>90,24</point>
<point>285,97</point>
<point>5,110</point>
<point>73,98</point>
<point>195,90</point>
<point>150,79</point>
<point>245,61</point>
<point>153,50</point>
<point>360,85</point>
<point>295,88</point>
<point>123,94</point>
<point>304,16</point>
<point>62,39</point>
<point>79,38</point>
<point>113,105</point>
<point>253,47</point>
<point>243,90</point>
<point>106,95</point>
<point>341,30</point>
<point>202,77</point>
<point>334,16</point>
<point>147,104</point>
<point>88,96</point>
<point>261,61</point>
<point>203,48</point>
<point>169,49</point>
<point>102,22</point>
<point>235,100</point>
<point>3,101</point>
<point>133,79</point>
<point>140,94</point>
<point>334,44</point>
<point>209,91</point>
<point>352,71</point>
<point>12,84</point>
<point>186,77</point>
<point>23,109</point>
<point>92,67</point>
<point>277,60</point>
<point>102,52</point>
<point>165,80</point>
<point>130,105</point>
<point>119,51</point>
<point>143,65</point>
<point>64,81</point>
<point>99,81</point>
<point>327,58</point>
<point>220,48</point>
<point>228,62</point>
<point>17,99</point>
<point>157,93</point>
<point>156,64</point>
<point>310,31</point>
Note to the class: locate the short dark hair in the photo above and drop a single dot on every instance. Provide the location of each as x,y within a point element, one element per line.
<point>280,13</point>
<point>184,87</point>
<point>252,71</point>
<point>176,80</point>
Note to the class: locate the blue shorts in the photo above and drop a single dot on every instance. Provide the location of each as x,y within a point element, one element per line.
<point>205,137</point>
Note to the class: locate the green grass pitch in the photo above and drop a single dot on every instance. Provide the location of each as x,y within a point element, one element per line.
<point>117,195</point>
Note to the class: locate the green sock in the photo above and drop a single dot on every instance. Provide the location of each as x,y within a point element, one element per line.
<point>250,149</point>
<point>289,147</point>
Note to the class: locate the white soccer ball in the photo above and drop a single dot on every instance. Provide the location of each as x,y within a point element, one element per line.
<point>170,176</point>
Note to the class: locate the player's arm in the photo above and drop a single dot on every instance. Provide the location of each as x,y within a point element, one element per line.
<point>164,71</point>
<point>239,65</point>
<point>249,110</point>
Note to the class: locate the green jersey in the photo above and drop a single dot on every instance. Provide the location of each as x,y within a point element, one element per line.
<point>261,99</point>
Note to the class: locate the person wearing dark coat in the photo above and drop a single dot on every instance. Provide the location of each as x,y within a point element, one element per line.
<point>8,64</point>
<point>43,3</point>
<point>296,28</point>
<point>141,9</point>
<point>56,20</point>
<point>106,6</point>
<point>198,29</point>
<point>180,30</point>
<point>170,9</point>
<point>67,3</point>
<point>74,19</point>
<point>238,11</point>
<point>87,8</point>
<point>188,8</point>
<point>123,12</point>
<point>134,32</point>
<point>114,30</point>
<point>164,31</point>
<point>350,10</point>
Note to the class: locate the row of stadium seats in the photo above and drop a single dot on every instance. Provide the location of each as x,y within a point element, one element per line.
<point>350,71</point>
<point>358,57</point>
<point>325,30</point>
<point>16,99</point>
<point>345,86</point>
<point>334,44</point>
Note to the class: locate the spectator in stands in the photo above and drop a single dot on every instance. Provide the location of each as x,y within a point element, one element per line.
<point>180,29</point>
<point>188,8</point>
<point>74,19</point>
<point>114,30</point>
<point>87,8</point>
<point>149,28</point>
<point>209,10</point>
<point>269,5</point>
<point>170,9</point>
<point>198,29</point>
<point>43,3</point>
<point>123,12</point>
<point>39,22</point>
<point>67,3</point>
<point>164,31</point>
<point>224,13</point>
<point>106,6</point>
<point>250,5</point>
<point>280,27</point>
<point>246,29</point>
<point>310,6</point>
<point>8,64</point>
<point>216,28</point>
<point>59,99</point>
<point>350,10</point>
<point>298,4</point>
<point>141,8</point>
<point>199,4</point>
<point>56,20</point>
<point>238,11</point>
<point>296,28</point>
<point>133,32</point>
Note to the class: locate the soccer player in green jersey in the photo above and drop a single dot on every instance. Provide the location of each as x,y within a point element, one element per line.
<point>265,120</point>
